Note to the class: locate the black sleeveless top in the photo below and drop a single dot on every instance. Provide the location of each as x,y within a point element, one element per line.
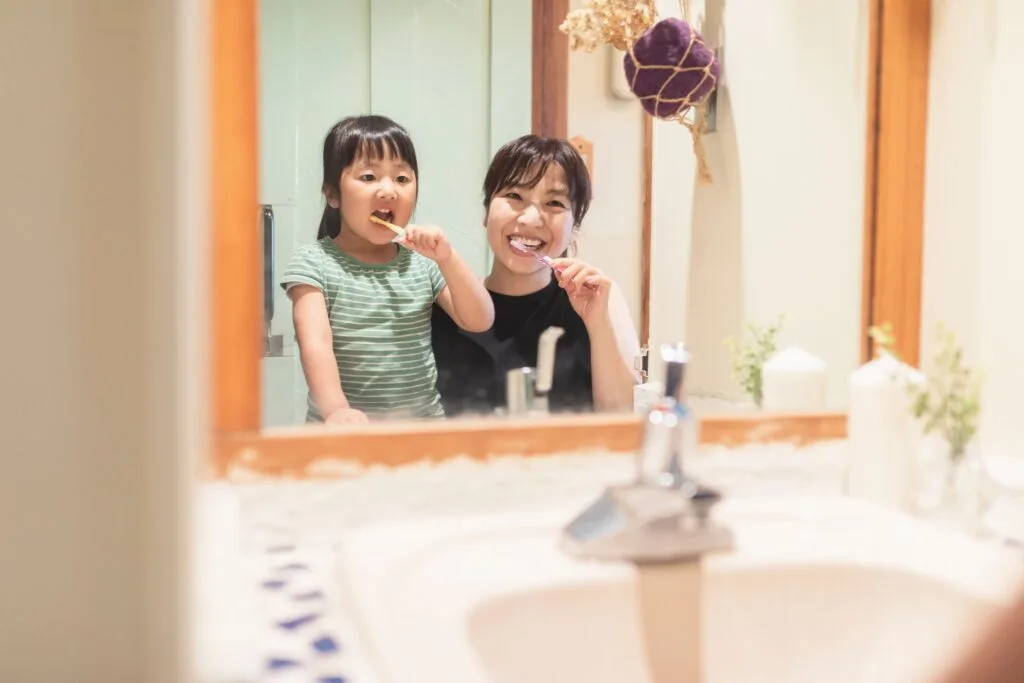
<point>471,366</point>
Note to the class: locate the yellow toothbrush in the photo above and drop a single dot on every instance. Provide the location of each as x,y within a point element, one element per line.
<point>380,221</point>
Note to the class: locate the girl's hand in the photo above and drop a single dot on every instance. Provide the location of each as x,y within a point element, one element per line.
<point>588,289</point>
<point>428,240</point>
<point>347,416</point>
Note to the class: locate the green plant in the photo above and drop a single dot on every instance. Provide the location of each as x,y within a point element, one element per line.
<point>748,357</point>
<point>949,401</point>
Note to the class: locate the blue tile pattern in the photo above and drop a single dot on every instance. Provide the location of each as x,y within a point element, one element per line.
<point>303,639</point>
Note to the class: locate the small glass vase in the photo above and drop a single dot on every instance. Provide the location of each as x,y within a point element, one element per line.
<point>961,487</point>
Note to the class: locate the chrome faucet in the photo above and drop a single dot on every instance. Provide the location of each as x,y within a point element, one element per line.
<point>527,389</point>
<point>663,515</point>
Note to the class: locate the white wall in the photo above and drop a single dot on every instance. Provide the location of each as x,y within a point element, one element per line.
<point>780,229</point>
<point>97,425</point>
<point>974,230</point>
<point>610,238</point>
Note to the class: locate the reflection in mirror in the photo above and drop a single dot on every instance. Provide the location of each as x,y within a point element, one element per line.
<point>765,263</point>
<point>660,256</point>
<point>460,86</point>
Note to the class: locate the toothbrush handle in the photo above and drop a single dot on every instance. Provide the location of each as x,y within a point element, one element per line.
<point>546,260</point>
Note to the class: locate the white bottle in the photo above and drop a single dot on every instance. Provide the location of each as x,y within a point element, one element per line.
<point>794,380</point>
<point>884,437</point>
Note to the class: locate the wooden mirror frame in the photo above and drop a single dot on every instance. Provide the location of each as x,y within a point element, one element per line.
<point>893,240</point>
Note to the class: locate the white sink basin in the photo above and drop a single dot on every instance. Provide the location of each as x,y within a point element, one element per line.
<point>818,591</point>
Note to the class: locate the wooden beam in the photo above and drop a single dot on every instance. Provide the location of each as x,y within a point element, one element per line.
<point>550,101</point>
<point>870,179</point>
<point>896,184</point>
<point>646,226</point>
<point>237,315</point>
<point>310,451</point>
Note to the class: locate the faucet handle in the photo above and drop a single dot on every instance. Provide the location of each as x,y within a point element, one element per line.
<point>667,432</point>
<point>676,357</point>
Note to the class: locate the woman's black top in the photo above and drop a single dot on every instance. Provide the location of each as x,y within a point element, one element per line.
<point>471,366</point>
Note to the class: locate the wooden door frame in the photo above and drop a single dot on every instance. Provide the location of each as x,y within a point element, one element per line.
<point>550,97</point>
<point>237,316</point>
<point>900,57</point>
<point>900,31</point>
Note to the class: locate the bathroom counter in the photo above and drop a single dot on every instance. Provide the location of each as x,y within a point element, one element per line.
<point>285,619</point>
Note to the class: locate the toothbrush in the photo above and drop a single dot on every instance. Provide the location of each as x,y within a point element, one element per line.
<point>380,221</point>
<point>545,259</point>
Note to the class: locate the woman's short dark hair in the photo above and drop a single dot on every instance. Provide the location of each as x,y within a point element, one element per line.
<point>524,161</point>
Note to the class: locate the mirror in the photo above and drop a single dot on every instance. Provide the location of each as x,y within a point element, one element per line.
<point>776,241</point>
<point>777,234</point>
<point>457,76</point>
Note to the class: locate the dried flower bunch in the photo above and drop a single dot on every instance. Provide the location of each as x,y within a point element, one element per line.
<point>614,22</point>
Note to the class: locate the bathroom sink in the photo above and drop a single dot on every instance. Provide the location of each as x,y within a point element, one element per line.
<point>817,591</point>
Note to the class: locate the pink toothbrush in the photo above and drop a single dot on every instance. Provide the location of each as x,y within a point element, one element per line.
<point>545,259</point>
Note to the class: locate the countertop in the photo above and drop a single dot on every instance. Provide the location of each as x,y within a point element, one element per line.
<point>270,605</point>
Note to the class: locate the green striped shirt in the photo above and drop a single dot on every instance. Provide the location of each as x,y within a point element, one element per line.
<point>380,320</point>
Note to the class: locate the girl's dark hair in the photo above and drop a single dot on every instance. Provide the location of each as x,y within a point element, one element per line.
<point>523,163</point>
<point>372,136</point>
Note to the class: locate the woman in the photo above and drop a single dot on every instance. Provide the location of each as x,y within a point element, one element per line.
<point>536,194</point>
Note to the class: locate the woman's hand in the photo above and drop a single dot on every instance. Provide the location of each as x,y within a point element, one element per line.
<point>588,289</point>
<point>613,340</point>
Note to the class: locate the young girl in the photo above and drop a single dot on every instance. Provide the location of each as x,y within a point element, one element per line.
<point>536,193</point>
<point>361,304</point>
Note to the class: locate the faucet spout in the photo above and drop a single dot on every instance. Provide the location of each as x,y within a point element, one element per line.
<point>642,524</point>
<point>527,389</point>
<point>664,515</point>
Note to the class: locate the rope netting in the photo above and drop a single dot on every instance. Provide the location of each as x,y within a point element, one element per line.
<point>668,66</point>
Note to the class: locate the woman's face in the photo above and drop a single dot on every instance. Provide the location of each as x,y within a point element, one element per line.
<point>538,218</point>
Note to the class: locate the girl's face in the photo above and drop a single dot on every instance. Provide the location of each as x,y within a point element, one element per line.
<point>539,218</point>
<point>385,187</point>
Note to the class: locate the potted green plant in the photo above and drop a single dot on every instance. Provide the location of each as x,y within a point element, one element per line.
<point>748,357</point>
<point>948,406</point>
<point>948,403</point>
